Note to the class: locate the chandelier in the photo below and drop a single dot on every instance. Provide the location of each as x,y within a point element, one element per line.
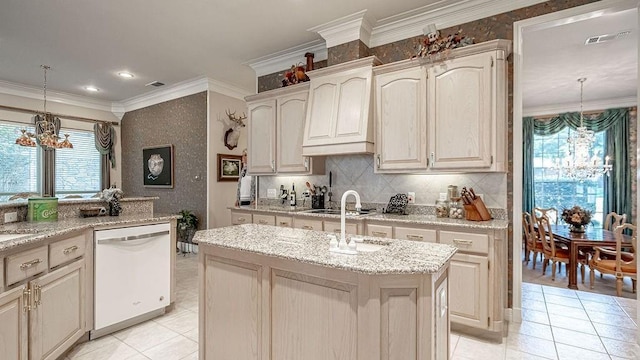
<point>47,126</point>
<point>579,163</point>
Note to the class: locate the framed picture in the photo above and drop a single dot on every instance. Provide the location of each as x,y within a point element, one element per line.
<point>157,165</point>
<point>229,167</point>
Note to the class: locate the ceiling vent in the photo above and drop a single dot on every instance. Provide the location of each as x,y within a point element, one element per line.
<point>155,83</point>
<point>604,38</point>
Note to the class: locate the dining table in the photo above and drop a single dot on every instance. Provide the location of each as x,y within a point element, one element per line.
<point>592,236</point>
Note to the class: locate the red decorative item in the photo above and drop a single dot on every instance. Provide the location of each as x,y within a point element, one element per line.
<point>295,75</point>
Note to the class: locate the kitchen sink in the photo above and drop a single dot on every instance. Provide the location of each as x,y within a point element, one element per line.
<point>337,212</point>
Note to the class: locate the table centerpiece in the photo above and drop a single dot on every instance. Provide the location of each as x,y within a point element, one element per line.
<point>576,217</point>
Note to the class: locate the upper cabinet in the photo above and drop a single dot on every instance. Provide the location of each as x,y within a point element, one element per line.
<point>448,116</point>
<point>276,128</point>
<point>339,112</point>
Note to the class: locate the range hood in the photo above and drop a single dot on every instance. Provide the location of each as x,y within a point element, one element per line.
<point>340,109</point>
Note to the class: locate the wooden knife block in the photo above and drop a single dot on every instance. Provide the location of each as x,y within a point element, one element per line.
<point>477,211</point>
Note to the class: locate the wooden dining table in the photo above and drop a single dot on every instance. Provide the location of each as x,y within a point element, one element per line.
<point>575,241</point>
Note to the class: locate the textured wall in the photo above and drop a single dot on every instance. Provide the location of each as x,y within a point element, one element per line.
<point>183,123</point>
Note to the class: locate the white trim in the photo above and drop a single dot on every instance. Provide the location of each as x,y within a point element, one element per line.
<point>35,93</point>
<point>519,28</point>
<point>283,59</point>
<point>179,90</point>
<point>357,26</point>
<point>587,106</point>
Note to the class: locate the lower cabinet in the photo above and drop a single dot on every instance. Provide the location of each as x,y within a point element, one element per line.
<point>469,284</point>
<point>307,224</point>
<point>14,317</point>
<point>334,227</point>
<point>239,218</point>
<point>264,219</point>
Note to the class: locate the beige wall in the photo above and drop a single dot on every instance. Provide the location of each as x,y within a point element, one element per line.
<point>221,194</point>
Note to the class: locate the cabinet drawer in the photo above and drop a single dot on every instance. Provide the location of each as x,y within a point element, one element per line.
<point>284,221</point>
<point>25,264</point>
<point>407,233</point>
<point>264,219</point>
<point>62,251</point>
<point>384,231</point>
<point>478,243</point>
<point>308,224</point>
<point>240,218</point>
<point>334,227</point>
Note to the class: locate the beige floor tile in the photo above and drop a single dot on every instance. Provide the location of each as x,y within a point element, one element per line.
<point>172,349</point>
<point>112,351</point>
<point>540,317</point>
<point>574,324</point>
<point>193,334</point>
<point>615,332</point>
<point>145,336</point>
<point>182,323</point>
<point>578,339</point>
<point>562,300</point>
<point>531,345</point>
<point>534,305</point>
<point>192,356</point>
<point>528,328</point>
<point>519,355</point>
<point>568,311</point>
<point>564,291</point>
<point>625,301</point>
<point>619,320</point>
<point>529,287</point>
<point>607,308</point>
<point>137,357</point>
<point>584,295</point>
<point>567,352</point>
<point>92,345</point>
<point>478,349</point>
<point>532,295</point>
<point>628,350</point>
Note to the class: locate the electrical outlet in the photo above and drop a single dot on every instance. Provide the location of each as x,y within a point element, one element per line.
<point>10,217</point>
<point>442,196</point>
<point>271,193</point>
<point>411,197</point>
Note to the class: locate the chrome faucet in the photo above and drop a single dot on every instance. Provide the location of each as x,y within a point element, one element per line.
<point>343,240</point>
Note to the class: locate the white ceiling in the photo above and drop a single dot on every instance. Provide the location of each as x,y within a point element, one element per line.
<point>88,42</point>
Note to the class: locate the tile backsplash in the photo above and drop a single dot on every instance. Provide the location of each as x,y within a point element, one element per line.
<point>355,172</point>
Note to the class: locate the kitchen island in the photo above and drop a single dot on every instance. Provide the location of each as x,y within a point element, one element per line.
<point>278,293</point>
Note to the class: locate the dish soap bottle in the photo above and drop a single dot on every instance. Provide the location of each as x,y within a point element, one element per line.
<point>292,197</point>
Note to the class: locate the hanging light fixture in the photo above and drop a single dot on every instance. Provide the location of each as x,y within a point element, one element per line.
<point>47,127</point>
<point>579,163</point>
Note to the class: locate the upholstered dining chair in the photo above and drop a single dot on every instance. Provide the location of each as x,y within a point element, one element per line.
<point>554,253</point>
<point>532,242</point>
<point>551,213</point>
<point>617,263</point>
<point>613,220</point>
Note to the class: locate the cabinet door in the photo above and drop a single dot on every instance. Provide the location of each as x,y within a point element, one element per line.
<point>469,283</point>
<point>262,137</point>
<point>13,325</point>
<point>290,133</point>
<point>401,120</point>
<point>307,224</point>
<point>442,321</point>
<point>321,114</point>
<point>460,106</point>
<point>57,319</point>
<point>352,107</point>
<point>239,218</point>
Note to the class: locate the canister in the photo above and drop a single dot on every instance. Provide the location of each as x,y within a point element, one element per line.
<point>42,209</point>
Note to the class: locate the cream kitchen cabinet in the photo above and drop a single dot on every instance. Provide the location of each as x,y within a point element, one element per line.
<point>339,112</point>
<point>467,105</point>
<point>276,129</point>
<point>14,322</point>
<point>307,224</point>
<point>263,219</point>
<point>401,118</point>
<point>241,217</point>
<point>351,228</point>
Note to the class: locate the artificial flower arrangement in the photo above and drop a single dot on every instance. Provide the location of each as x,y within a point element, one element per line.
<point>112,196</point>
<point>576,216</point>
<point>294,76</point>
<point>434,44</point>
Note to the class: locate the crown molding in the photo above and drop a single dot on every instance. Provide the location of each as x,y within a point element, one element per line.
<point>283,59</point>
<point>595,105</point>
<point>357,26</point>
<point>181,89</point>
<point>35,93</point>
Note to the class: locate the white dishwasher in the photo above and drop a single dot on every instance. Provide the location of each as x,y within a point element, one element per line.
<point>132,275</point>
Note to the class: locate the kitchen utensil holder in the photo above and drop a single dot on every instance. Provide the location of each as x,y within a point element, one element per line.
<point>477,211</point>
<point>317,201</point>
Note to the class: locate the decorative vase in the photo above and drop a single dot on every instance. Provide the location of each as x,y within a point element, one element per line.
<point>576,228</point>
<point>114,207</point>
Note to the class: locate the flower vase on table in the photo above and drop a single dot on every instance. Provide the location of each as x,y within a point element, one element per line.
<point>576,228</point>
<point>577,218</point>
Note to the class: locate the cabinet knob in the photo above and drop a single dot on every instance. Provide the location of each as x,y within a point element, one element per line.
<point>306,163</point>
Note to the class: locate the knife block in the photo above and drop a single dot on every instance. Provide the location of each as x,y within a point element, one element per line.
<point>477,211</point>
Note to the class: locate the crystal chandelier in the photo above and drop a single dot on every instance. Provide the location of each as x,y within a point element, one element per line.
<point>579,163</point>
<point>46,128</point>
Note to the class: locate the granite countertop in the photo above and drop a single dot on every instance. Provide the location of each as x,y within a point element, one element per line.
<point>415,219</point>
<point>39,231</point>
<point>64,201</point>
<point>312,247</point>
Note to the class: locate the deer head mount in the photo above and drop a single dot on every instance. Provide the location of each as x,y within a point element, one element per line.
<point>232,135</point>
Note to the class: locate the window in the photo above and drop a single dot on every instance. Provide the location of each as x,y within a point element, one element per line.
<point>18,164</point>
<point>78,169</point>
<point>552,189</point>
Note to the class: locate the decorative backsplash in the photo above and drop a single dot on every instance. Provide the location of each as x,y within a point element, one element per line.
<point>355,172</point>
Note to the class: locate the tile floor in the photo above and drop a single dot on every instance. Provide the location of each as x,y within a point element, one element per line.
<point>557,324</point>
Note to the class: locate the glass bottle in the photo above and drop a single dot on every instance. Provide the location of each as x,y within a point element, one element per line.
<point>456,210</point>
<point>442,208</point>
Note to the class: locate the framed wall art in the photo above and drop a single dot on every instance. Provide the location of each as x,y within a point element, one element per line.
<point>229,167</point>
<point>157,165</point>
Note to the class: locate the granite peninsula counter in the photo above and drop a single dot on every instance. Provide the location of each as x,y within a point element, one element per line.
<point>278,293</point>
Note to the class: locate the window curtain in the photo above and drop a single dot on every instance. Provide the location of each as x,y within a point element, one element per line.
<point>617,191</point>
<point>104,136</point>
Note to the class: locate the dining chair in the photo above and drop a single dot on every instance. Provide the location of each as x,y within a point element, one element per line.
<point>613,220</point>
<point>532,242</point>
<point>551,213</point>
<point>553,253</point>
<point>618,262</point>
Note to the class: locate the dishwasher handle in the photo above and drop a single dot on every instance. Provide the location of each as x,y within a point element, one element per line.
<point>132,237</point>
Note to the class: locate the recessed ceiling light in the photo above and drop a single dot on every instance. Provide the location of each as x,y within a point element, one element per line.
<point>125,74</point>
<point>91,88</point>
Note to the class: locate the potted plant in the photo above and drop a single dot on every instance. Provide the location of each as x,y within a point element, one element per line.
<point>187,226</point>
